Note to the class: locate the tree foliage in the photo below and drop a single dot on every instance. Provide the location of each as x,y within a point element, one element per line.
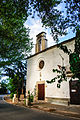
<point>58,20</point>
<point>51,17</point>
<point>15,43</point>
<point>73,14</point>
<point>17,11</point>
<point>17,77</point>
<point>14,13</point>
<point>60,77</point>
<point>3,88</point>
<point>14,37</point>
<point>75,65</point>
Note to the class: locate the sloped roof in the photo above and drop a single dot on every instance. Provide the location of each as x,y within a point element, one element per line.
<point>64,42</point>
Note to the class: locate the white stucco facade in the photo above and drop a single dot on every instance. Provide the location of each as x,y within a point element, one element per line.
<point>52,58</point>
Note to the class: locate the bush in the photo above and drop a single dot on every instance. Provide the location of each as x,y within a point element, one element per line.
<point>11,95</point>
<point>24,102</point>
<point>30,98</point>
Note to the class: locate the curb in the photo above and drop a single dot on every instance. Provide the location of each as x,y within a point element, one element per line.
<point>55,111</point>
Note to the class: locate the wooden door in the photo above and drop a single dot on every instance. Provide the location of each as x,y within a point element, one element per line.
<point>41,91</point>
<point>75,92</point>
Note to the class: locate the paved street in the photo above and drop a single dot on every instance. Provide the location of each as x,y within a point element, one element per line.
<point>12,112</point>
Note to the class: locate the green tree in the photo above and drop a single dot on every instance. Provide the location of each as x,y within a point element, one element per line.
<point>18,11</point>
<point>11,87</point>
<point>15,43</point>
<point>50,16</point>
<point>17,77</point>
<point>14,37</point>
<point>61,76</point>
<point>73,14</point>
<point>3,88</point>
<point>58,20</point>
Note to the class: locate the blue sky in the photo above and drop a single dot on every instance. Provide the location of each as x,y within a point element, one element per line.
<point>35,26</point>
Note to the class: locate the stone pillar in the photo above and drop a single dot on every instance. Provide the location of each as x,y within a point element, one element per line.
<point>44,44</point>
<point>37,49</point>
<point>26,101</point>
<point>14,95</point>
<point>27,98</point>
<point>21,96</point>
<point>15,99</point>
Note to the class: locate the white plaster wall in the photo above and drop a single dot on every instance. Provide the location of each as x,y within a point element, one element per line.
<point>51,58</point>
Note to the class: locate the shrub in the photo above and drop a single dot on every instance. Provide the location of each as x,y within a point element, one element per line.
<point>11,95</point>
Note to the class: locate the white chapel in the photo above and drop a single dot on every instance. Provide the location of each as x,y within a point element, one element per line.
<point>39,70</point>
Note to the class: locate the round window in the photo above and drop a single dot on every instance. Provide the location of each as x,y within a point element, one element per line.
<point>41,64</point>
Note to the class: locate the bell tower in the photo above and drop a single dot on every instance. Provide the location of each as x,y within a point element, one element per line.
<point>41,42</point>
